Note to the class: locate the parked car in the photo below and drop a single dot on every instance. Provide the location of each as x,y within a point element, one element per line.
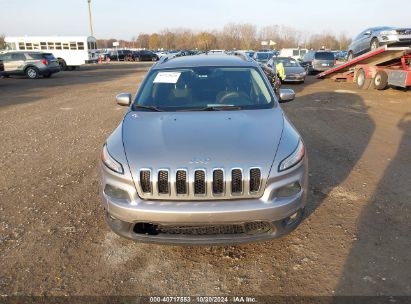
<point>31,64</point>
<point>372,38</point>
<point>318,61</point>
<point>1,67</point>
<point>296,53</point>
<point>294,72</point>
<point>217,52</point>
<point>262,57</point>
<point>215,161</point>
<point>144,56</point>
<point>340,55</point>
<point>120,55</point>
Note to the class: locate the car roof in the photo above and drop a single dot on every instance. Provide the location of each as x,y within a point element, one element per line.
<point>284,57</point>
<point>204,60</point>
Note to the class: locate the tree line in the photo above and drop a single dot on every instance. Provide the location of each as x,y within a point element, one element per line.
<point>233,36</point>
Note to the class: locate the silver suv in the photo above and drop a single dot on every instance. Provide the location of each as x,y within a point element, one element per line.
<point>205,155</point>
<point>31,64</point>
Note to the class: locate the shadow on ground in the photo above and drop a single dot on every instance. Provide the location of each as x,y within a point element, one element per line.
<point>379,262</point>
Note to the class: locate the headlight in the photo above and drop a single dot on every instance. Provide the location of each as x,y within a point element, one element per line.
<point>110,162</point>
<point>294,158</point>
<point>384,33</point>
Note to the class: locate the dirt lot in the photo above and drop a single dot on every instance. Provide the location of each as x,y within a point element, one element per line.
<point>355,239</point>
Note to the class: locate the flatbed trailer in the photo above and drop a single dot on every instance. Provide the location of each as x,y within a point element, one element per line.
<point>376,69</point>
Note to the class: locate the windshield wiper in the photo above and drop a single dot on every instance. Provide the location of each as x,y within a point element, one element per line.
<point>147,107</point>
<point>215,108</point>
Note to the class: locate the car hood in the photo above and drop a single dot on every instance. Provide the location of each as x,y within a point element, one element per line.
<point>192,140</point>
<point>293,70</point>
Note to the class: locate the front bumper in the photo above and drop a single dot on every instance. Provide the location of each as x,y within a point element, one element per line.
<point>124,215</point>
<point>294,78</point>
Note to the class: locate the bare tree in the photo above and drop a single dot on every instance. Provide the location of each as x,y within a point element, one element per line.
<point>233,36</point>
<point>154,41</point>
<point>143,41</point>
<point>206,41</point>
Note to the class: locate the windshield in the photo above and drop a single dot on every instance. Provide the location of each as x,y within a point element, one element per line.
<point>287,62</point>
<point>324,56</point>
<point>204,87</point>
<point>263,56</point>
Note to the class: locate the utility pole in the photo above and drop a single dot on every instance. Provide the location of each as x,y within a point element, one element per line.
<point>89,17</point>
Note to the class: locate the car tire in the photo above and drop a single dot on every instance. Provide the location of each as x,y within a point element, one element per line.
<point>375,44</point>
<point>380,80</point>
<point>138,59</point>
<point>350,56</point>
<point>32,72</point>
<point>62,64</point>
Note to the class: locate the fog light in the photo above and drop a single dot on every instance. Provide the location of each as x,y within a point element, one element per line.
<point>116,193</point>
<point>289,190</point>
<point>292,219</point>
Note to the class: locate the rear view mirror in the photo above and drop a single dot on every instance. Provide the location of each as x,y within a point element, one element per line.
<point>286,95</point>
<point>123,99</point>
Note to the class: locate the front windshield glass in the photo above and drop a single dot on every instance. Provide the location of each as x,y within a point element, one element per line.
<point>204,87</point>
<point>263,56</point>
<point>287,62</point>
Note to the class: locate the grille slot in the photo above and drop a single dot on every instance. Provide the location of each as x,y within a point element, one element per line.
<point>145,181</point>
<point>199,182</point>
<point>163,185</point>
<point>218,182</point>
<point>181,182</point>
<point>255,180</point>
<point>236,181</point>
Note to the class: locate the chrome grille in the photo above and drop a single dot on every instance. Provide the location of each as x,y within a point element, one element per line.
<point>145,181</point>
<point>255,179</point>
<point>218,181</point>
<point>181,182</point>
<point>236,181</point>
<point>200,184</point>
<point>163,185</point>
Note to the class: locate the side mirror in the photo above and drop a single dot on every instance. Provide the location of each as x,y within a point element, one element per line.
<point>124,99</point>
<point>286,95</point>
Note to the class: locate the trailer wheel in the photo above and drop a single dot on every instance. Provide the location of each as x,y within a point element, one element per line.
<point>381,80</point>
<point>360,79</point>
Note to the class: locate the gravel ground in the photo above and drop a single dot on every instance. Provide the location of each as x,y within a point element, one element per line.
<point>355,239</point>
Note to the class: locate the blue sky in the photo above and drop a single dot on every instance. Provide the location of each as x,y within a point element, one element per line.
<point>127,18</point>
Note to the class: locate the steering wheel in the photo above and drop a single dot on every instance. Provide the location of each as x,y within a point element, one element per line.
<point>234,95</point>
